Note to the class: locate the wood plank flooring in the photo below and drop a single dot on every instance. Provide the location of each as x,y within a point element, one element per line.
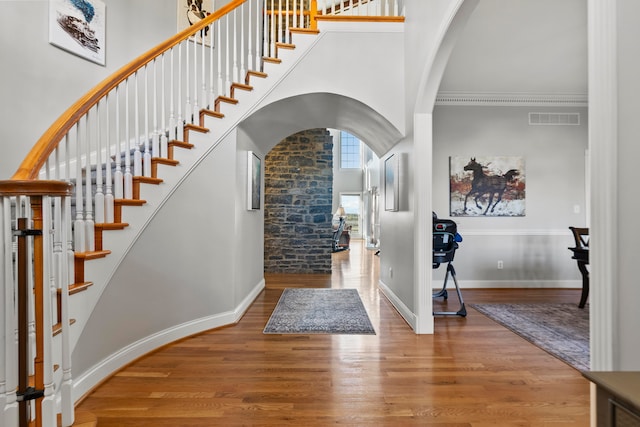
<point>472,372</point>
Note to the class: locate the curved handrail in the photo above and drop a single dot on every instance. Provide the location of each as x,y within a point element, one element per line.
<point>35,160</point>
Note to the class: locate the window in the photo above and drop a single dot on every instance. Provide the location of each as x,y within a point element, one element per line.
<point>350,151</point>
<point>352,204</point>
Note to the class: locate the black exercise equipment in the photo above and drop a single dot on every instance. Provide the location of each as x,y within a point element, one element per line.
<point>445,243</point>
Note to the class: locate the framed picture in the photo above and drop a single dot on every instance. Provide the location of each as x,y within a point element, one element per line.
<point>79,28</point>
<point>391,183</point>
<point>254,181</point>
<point>487,186</point>
<point>191,12</point>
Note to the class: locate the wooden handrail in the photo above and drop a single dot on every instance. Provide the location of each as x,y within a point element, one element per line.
<point>35,160</point>
<point>32,188</point>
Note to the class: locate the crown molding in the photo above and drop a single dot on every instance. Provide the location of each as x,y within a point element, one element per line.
<point>511,99</point>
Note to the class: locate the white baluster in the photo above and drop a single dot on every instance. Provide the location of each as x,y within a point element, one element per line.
<point>128,177</point>
<point>48,403</point>
<point>155,138</point>
<point>227,67</point>
<point>137,155</point>
<point>265,34</point>
<point>172,84</point>
<point>203,93</point>
<point>272,49</point>
<point>118,177</point>
<point>212,96</point>
<point>147,153</point>
<point>67,203</point>
<point>99,197</point>
<point>187,106</point>
<point>250,56</point>
<point>88,217</point>
<point>66,389</point>
<point>9,350</point>
<point>194,113</point>
<point>243,70</point>
<point>234,74</point>
<point>108,198</point>
<point>163,134</point>
<point>259,35</point>
<point>79,241</point>
<point>220,90</point>
<point>180,121</point>
<point>287,35</point>
<point>56,248</point>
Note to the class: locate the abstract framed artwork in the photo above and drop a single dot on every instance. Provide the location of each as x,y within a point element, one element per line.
<point>254,180</point>
<point>391,183</point>
<point>78,26</point>
<point>191,12</point>
<point>487,186</point>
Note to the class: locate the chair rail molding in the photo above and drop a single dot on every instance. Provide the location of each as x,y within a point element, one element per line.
<point>512,99</point>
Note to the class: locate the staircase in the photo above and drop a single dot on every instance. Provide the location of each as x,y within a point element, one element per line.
<point>88,193</point>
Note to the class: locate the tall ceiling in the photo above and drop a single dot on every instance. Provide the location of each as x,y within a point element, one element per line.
<point>521,46</point>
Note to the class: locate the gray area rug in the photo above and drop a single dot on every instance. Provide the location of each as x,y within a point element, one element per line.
<point>319,311</point>
<point>560,329</point>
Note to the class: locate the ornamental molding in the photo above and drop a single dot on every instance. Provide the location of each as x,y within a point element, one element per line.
<point>512,99</point>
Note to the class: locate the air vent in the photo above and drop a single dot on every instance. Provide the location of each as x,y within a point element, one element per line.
<point>557,119</point>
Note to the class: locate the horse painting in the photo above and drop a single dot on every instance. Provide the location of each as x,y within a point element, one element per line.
<point>490,185</point>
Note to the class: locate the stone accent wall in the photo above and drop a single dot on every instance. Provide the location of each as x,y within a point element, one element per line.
<point>297,212</point>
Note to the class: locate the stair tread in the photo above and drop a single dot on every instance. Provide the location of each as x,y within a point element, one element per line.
<point>257,74</point>
<point>196,128</point>
<point>242,86</point>
<point>77,287</point>
<point>148,179</point>
<point>165,161</point>
<point>180,144</point>
<point>304,30</point>
<point>226,99</point>
<point>91,255</point>
<point>211,113</point>
<point>112,225</point>
<point>271,59</point>
<point>285,45</point>
<point>129,202</point>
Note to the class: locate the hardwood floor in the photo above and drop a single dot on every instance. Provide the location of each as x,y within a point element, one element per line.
<point>472,372</point>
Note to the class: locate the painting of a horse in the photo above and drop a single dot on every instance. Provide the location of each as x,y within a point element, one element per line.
<point>489,186</point>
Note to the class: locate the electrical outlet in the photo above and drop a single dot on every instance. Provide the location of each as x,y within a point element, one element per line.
<point>500,265</point>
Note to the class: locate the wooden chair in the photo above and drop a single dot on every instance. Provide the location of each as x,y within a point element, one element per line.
<point>581,255</point>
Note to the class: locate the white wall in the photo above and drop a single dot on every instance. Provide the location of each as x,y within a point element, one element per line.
<point>39,81</point>
<point>533,247</point>
<point>180,270</point>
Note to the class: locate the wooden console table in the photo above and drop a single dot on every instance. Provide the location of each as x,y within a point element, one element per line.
<point>617,398</point>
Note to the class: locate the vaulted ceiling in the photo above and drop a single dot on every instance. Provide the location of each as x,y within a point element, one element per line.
<point>534,47</point>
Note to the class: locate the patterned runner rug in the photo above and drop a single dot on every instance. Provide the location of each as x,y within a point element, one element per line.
<point>560,329</point>
<point>319,311</point>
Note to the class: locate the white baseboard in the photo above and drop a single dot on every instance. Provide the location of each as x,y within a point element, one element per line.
<point>512,284</point>
<point>410,317</point>
<point>400,307</point>
<point>94,376</point>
